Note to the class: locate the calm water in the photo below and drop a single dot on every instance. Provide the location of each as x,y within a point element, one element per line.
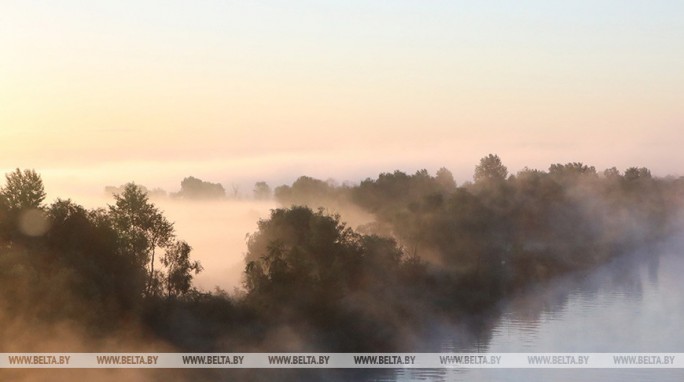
<point>633,304</point>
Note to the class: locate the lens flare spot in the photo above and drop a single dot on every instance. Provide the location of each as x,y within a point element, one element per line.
<point>33,222</point>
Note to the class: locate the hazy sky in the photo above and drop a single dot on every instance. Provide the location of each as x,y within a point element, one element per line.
<point>100,92</point>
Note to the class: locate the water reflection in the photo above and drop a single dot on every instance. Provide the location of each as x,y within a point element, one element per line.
<point>633,304</point>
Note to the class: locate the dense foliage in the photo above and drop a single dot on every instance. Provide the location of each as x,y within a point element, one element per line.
<point>435,251</point>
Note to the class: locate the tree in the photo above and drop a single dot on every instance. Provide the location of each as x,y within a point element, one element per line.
<point>636,173</point>
<point>445,179</point>
<point>178,278</point>
<point>304,191</point>
<point>86,243</point>
<point>23,190</point>
<point>490,168</point>
<point>142,226</point>
<point>193,188</point>
<point>571,170</point>
<point>262,191</point>
<point>611,173</point>
<point>301,250</point>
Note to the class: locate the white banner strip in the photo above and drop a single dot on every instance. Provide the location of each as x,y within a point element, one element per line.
<point>344,360</point>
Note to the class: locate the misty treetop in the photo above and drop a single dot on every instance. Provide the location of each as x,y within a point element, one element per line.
<point>193,188</point>
<point>262,191</point>
<point>490,169</point>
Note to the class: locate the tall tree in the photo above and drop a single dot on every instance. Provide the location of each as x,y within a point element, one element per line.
<point>178,277</point>
<point>445,179</point>
<point>23,190</point>
<point>143,227</point>
<point>490,168</point>
<point>262,191</point>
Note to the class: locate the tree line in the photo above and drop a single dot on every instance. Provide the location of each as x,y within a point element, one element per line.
<point>192,188</point>
<point>436,251</point>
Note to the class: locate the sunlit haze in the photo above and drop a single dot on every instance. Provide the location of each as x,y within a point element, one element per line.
<point>97,93</point>
<point>243,91</point>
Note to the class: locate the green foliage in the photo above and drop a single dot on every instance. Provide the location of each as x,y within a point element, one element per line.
<point>22,190</point>
<point>637,173</point>
<point>391,193</point>
<point>566,218</point>
<point>307,269</point>
<point>611,173</point>
<point>88,244</point>
<point>92,267</point>
<point>304,250</point>
<point>178,277</point>
<point>490,168</point>
<point>570,171</point>
<point>445,178</point>
<point>143,230</point>
<point>141,225</point>
<point>307,272</point>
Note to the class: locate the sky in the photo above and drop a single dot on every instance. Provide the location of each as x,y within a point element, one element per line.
<point>96,93</point>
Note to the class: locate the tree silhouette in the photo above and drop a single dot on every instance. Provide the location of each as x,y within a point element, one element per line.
<point>23,190</point>
<point>636,173</point>
<point>178,277</point>
<point>193,188</point>
<point>490,168</point>
<point>446,179</point>
<point>143,228</point>
<point>305,190</point>
<point>611,173</point>
<point>298,251</point>
<point>87,243</point>
<point>262,191</point>
<point>571,170</point>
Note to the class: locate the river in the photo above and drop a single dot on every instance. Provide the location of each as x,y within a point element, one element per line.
<point>633,304</point>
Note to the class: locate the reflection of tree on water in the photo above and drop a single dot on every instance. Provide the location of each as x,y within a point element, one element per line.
<point>527,310</point>
<point>469,335</point>
<point>566,315</point>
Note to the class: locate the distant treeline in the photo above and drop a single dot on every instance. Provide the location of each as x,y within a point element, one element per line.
<point>197,189</point>
<point>435,252</point>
